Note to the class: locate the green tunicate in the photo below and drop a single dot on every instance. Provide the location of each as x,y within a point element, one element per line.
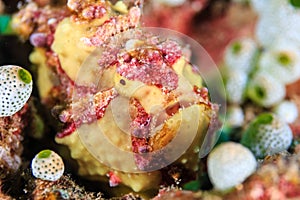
<point>44,154</point>
<point>295,3</point>
<point>263,118</point>
<point>284,59</point>
<point>236,47</point>
<point>260,92</point>
<point>193,185</point>
<point>24,75</point>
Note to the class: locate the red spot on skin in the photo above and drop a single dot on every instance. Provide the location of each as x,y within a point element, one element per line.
<point>114,180</point>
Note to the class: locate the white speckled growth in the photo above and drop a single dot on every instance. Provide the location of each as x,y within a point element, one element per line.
<point>14,91</point>
<point>49,168</point>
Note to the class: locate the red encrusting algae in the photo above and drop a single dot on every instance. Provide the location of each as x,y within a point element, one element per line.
<point>114,25</point>
<point>152,66</point>
<point>140,128</point>
<point>86,110</point>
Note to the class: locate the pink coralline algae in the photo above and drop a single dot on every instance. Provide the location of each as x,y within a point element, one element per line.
<point>152,66</point>
<point>34,19</point>
<point>113,26</point>
<point>85,110</point>
<point>92,12</point>
<point>140,128</point>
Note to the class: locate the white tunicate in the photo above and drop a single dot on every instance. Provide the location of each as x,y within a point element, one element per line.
<point>229,164</point>
<point>240,54</point>
<point>282,61</point>
<point>277,20</point>
<point>265,33</point>
<point>265,90</point>
<point>288,19</point>
<point>47,165</point>
<point>235,86</point>
<point>235,116</point>
<point>286,111</point>
<point>15,89</point>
